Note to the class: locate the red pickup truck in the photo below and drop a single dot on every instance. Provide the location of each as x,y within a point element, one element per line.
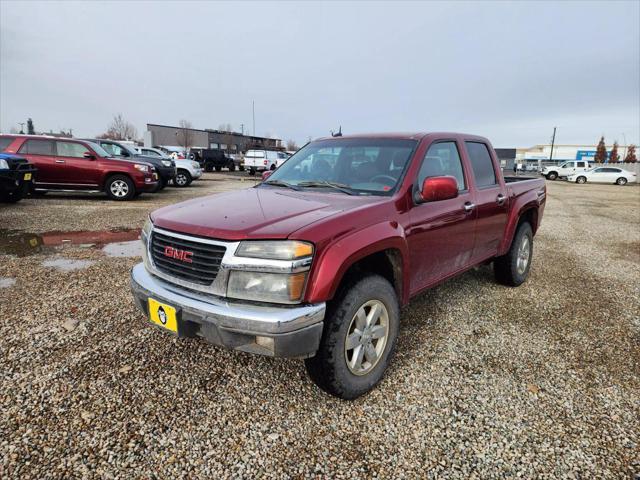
<point>316,261</point>
<point>72,164</point>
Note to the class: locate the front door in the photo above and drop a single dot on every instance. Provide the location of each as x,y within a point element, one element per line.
<point>78,170</point>
<point>491,202</point>
<point>440,234</point>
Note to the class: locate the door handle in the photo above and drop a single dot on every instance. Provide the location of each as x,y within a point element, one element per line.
<point>500,199</point>
<point>59,161</point>
<point>468,207</point>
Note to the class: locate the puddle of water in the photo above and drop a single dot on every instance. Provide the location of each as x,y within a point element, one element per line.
<point>67,264</point>
<point>123,249</point>
<point>6,282</point>
<point>22,244</point>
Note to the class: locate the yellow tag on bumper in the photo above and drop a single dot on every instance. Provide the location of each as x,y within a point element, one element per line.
<point>27,176</point>
<point>163,315</point>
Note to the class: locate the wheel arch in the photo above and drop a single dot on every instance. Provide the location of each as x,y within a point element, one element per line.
<point>378,249</point>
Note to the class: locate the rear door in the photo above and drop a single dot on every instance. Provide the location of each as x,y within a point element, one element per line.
<point>77,170</point>
<point>491,202</point>
<point>440,234</point>
<point>41,152</point>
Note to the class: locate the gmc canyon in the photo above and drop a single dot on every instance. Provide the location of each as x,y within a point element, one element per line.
<point>317,260</point>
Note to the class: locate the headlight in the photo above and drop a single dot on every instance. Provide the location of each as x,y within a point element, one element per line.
<point>4,165</point>
<point>146,228</point>
<point>142,168</point>
<point>275,249</point>
<point>266,287</point>
<point>166,163</point>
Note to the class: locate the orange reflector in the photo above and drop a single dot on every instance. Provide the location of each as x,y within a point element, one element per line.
<point>296,285</point>
<point>302,250</point>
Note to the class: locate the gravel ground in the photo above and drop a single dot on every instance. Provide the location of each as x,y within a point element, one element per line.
<point>488,381</point>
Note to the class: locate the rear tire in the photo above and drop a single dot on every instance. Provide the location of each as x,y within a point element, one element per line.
<point>581,179</point>
<point>120,187</point>
<point>218,168</point>
<point>350,372</point>
<point>252,171</point>
<point>182,179</point>
<point>512,269</point>
<point>552,176</point>
<point>621,181</point>
<point>208,167</point>
<point>232,167</point>
<point>273,167</point>
<point>241,168</point>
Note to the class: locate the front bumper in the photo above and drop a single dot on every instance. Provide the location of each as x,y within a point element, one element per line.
<point>278,331</point>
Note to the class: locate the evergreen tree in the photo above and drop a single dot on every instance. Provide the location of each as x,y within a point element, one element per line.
<point>631,155</point>
<point>30,128</point>
<point>615,156</point>
<point>601,152</point>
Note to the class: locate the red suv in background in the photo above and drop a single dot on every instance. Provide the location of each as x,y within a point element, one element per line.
<point>70,164</point>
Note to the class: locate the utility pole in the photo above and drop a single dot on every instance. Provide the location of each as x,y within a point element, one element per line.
<point>253,106</point>
<point>242,128</point>
<point>21,128</point>
<point>624,155</point>
<point>553,141</point>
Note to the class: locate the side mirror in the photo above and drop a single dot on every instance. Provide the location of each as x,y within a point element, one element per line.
<point>88,155</point>
<point>438,188</point>
<point>266,174</point>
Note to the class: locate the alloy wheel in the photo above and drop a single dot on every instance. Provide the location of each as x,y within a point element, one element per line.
<point>366,337</point>
<point>119,188</point>
<point>524,253</point>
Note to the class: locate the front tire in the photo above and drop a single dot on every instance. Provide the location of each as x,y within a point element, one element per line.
<point>512,269</point>
<point>120,187</point>
<point>621,181</point>
<point>552,176</point>
<point>182,179</point>
<point>218,168</point>
<point>581,179</point>
<point>252,171</point>
<point>358,340</point>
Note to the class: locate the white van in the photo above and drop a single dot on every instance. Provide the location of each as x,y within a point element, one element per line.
<point>553,172</point>
<point>260,160</point>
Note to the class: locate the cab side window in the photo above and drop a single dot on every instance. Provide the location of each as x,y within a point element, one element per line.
<point>37,147</point>
<point>481,164</point>
<point>71,149</point>
<point>442,159</point>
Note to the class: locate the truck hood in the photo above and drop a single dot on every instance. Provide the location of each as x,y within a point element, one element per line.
<point>255,212</point>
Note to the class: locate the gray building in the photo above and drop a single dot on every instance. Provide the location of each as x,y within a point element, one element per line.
<point>233,142</point>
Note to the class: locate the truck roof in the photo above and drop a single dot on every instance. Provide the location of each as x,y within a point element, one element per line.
<point>399,135</point>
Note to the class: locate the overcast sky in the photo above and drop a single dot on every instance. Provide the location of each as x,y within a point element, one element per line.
<point>509,71</point>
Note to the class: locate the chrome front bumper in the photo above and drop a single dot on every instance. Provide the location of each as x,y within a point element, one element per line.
<point>280,331</point>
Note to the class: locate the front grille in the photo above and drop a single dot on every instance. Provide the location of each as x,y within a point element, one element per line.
<point>205,259</point>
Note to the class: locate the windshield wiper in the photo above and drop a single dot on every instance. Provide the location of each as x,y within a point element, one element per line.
<point>280,183</point>
<point>336,186</point>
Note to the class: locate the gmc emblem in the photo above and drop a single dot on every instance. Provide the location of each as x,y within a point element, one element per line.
<point>182,255</point>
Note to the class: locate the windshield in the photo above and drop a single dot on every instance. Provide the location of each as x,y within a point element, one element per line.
<point>98,149</point>
<point>363,166</point>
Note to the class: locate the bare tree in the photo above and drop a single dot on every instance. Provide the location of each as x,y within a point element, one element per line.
<point>185,134</point>
<point>120,129</point>
<point>225,127</point>
<point>292,146</point>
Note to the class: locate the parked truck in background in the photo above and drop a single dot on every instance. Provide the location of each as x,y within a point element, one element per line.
<point>564,170</point>
<point>316,262</point>
<point>261,160</point>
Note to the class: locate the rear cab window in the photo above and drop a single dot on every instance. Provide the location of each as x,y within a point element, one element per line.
<point>481,164</point>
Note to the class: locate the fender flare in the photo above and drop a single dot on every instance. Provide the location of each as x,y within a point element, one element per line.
<point>336,259</point>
